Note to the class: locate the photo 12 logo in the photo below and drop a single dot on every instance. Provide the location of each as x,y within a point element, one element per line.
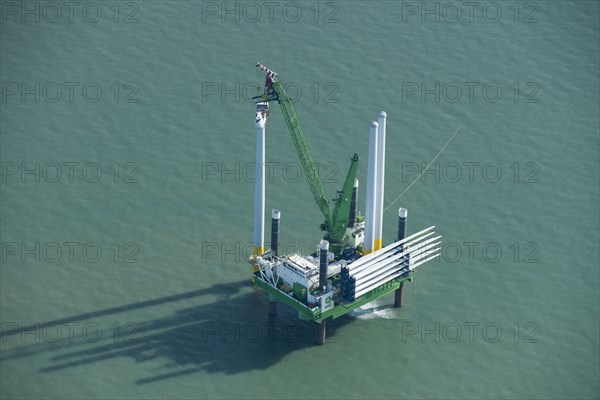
<point>469,332</point>
<point>490,252</point>
<point>230,251</point>
<point>526,172</point>
<point>70,252</point>
<point>469,11</point>
<point>236,92</point>
<point>252,332</point>
<point>270,12</point>
<point>69,92</point>
<point>52,12</point>
<point>68,172</point>
<point>470,92</point>
<point>69,332</point>
<point>289,172</point>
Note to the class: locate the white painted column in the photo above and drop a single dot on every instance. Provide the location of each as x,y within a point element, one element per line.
<point>371,198</point>
<point>259,190</point>
<point>380,181</point>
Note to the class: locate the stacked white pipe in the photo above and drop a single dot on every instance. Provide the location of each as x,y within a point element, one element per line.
<point>380,267</point>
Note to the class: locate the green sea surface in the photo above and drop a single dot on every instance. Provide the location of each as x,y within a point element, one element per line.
<point>127,149</point>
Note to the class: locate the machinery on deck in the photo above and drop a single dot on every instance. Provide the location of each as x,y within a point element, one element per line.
<point>350,268</point>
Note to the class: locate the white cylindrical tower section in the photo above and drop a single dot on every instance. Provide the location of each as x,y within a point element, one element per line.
<point>259,191</point>
<point>380,180</point>
<point>371,200</point>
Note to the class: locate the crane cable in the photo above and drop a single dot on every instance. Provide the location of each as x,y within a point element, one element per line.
<point>350,152</point>
<point>428,165</point>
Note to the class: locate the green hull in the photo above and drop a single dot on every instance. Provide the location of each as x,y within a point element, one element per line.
<point>315,314</point>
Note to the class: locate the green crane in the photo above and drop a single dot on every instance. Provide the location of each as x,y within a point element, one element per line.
<point>336,222</point>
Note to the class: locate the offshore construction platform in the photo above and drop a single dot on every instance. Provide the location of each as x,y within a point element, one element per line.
<point>351,267</point>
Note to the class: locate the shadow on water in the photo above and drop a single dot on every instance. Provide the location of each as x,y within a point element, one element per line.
<point>231,335</point>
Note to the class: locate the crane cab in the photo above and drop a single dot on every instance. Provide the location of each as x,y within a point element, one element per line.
<point>262,112</point>
<point>262,107</point>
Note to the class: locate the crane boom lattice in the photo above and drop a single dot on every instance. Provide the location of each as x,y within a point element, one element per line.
<point>306,160</point>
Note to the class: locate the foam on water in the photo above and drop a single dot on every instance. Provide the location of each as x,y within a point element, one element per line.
<point>375,310</point>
